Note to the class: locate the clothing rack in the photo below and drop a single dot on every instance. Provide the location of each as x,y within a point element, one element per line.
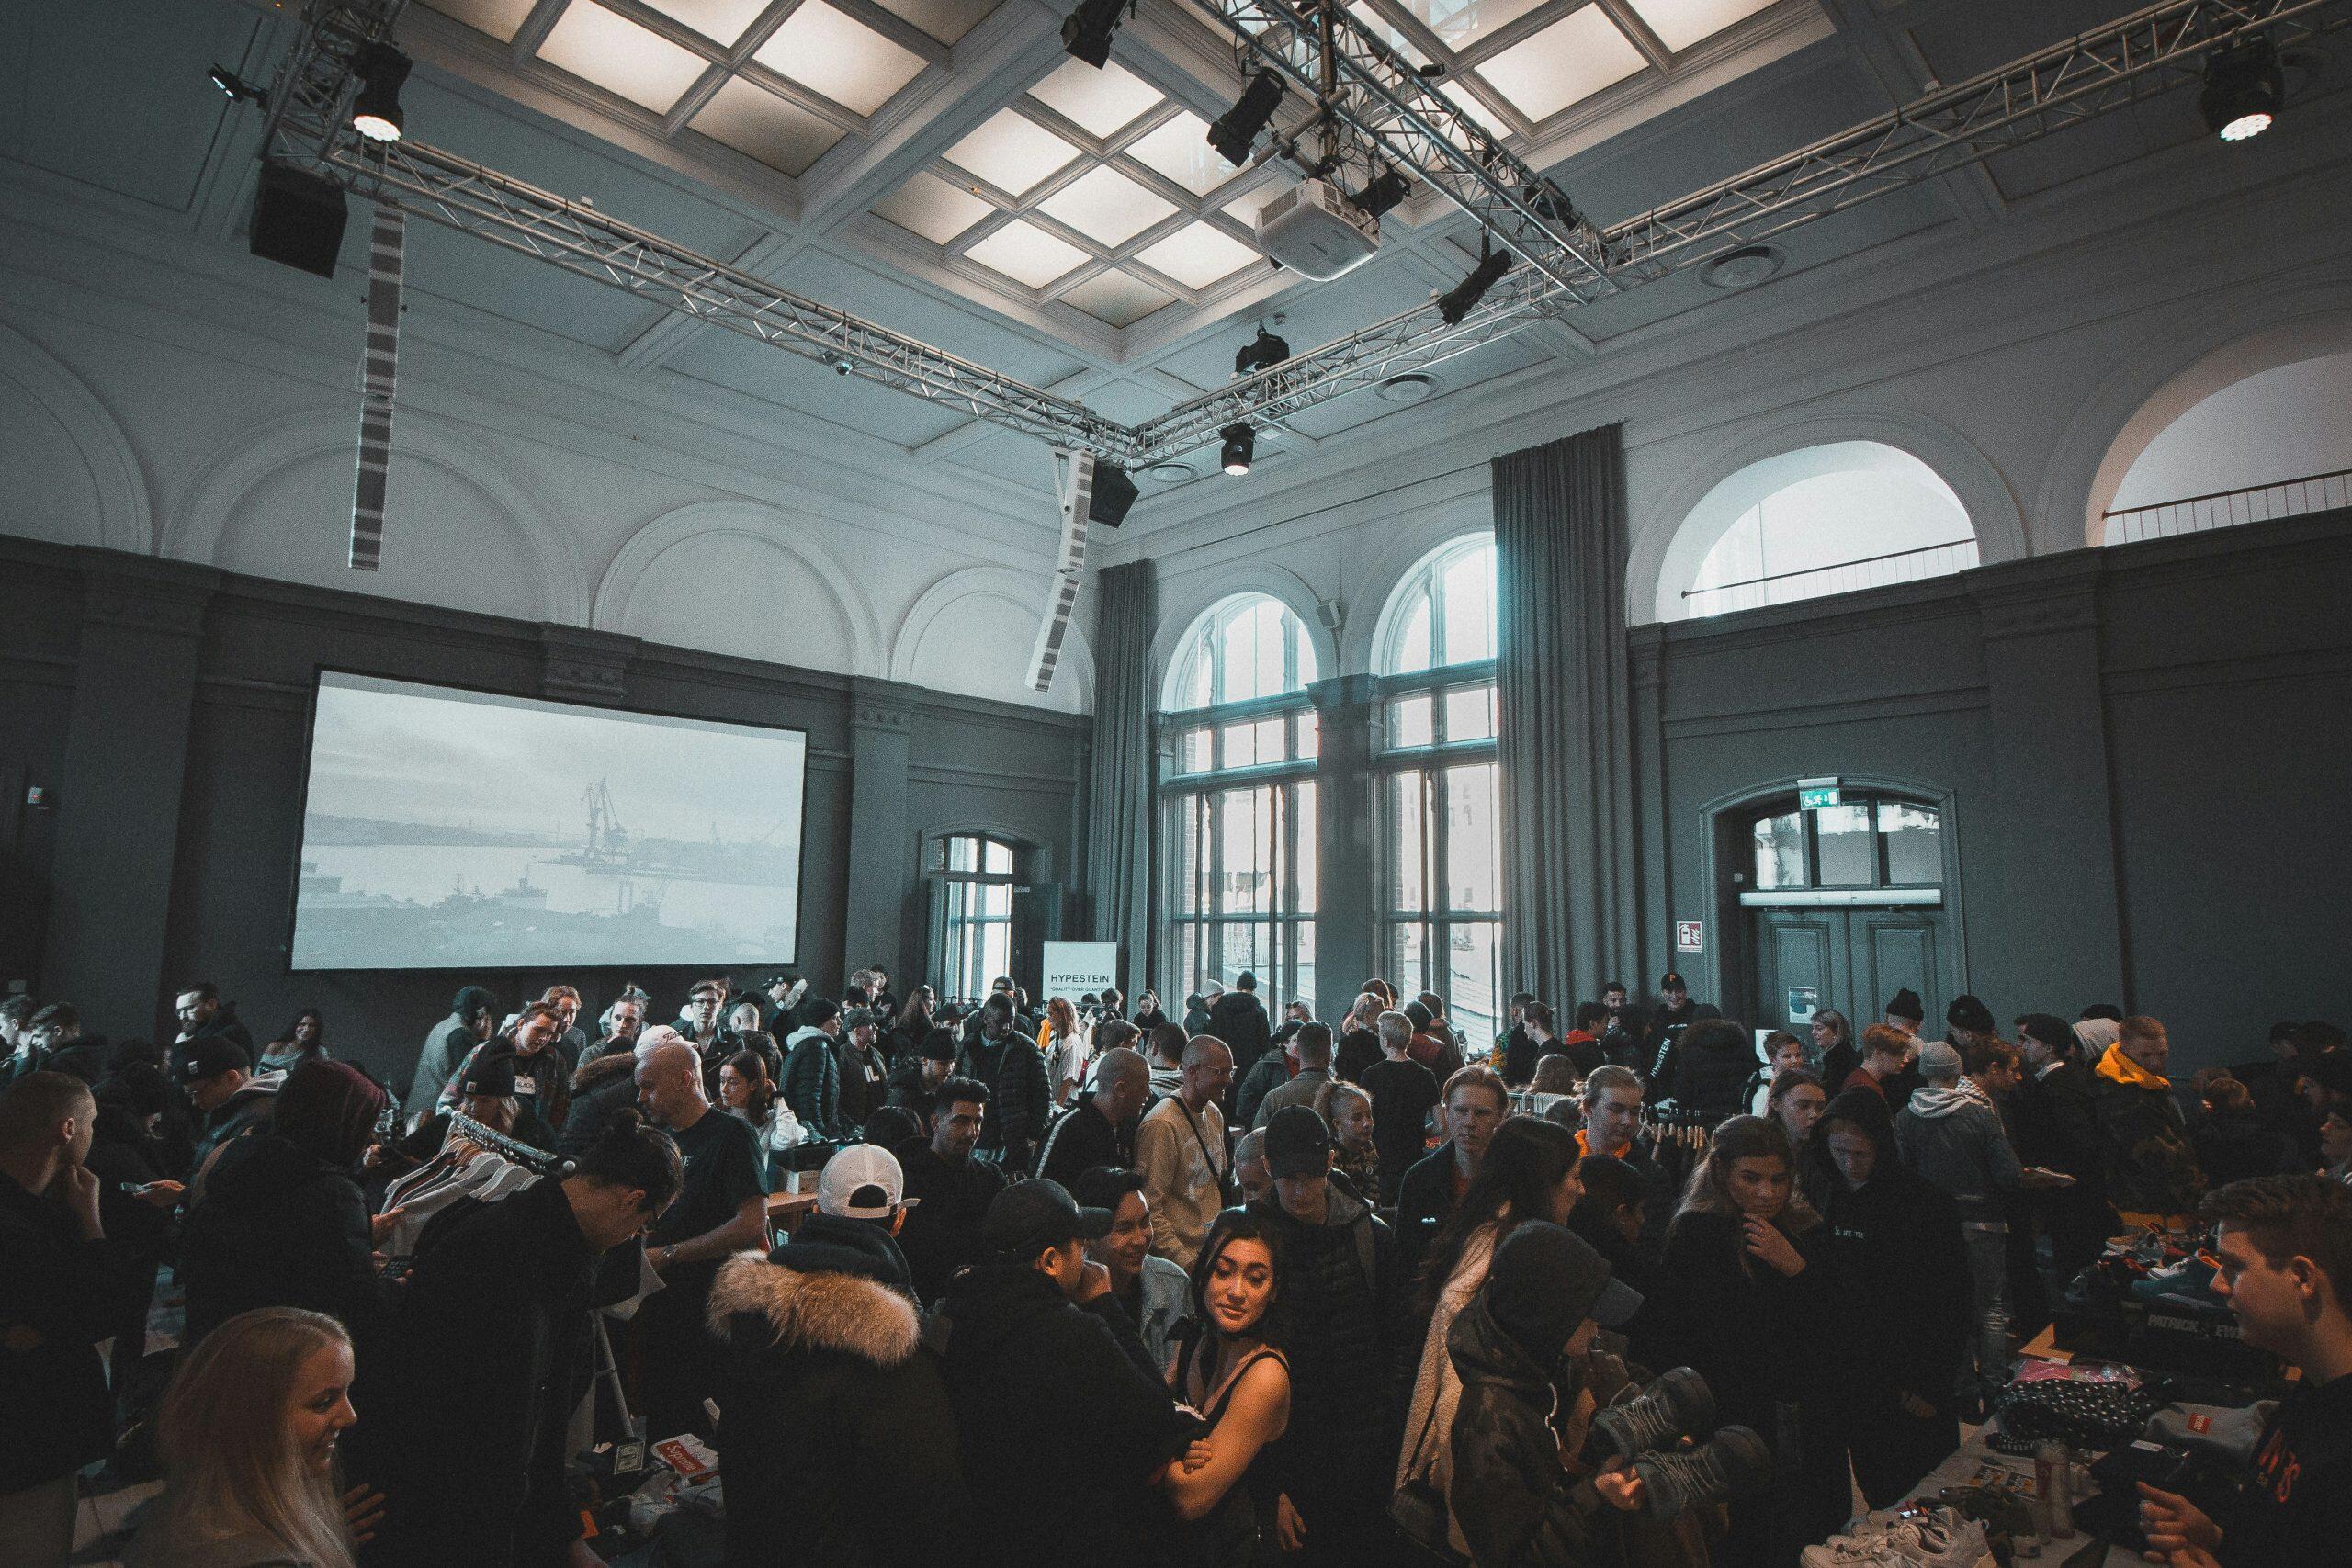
<point>519,1153</point>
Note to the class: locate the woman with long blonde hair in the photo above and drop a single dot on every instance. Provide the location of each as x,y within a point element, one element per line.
<point>249,1430</point>
<point>1064,1047</point>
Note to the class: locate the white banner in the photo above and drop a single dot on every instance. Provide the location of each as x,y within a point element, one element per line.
<point>1075,968</point>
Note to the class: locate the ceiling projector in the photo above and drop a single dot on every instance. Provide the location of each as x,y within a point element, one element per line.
<point>1318,232</point>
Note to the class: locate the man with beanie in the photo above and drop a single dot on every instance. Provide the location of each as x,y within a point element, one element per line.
<point>1895,1255</point>
<point>2150,1167</point>
<point>1049,1394</point>
<point>473,1018</point>
<point>1969,1023</point>
<point>1951,1134</point>
<point>1343,1289</point>
<point>835,1431</point>
<point>2057,1128</point>
<point>1515,1500</point>
<point>1905,1011</point>
<point>919,1073</point>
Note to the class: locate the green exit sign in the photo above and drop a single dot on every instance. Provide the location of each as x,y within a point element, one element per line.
<point>1814,794</point>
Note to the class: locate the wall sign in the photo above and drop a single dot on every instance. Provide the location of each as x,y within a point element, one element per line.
<point>1074,969</point>
<point>1814,794</point>
<point>1690,936</point>
<point>1802,1002</point>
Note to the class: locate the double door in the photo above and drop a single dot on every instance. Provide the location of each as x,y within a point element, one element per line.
<point>1853,959</point>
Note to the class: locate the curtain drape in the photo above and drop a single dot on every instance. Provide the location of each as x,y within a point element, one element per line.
<point>1565,743</point>
<point>1120,777</point>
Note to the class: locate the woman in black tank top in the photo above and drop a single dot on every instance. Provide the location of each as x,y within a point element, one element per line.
<point>1232,1371</point>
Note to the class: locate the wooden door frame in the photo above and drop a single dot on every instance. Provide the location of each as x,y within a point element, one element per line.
<point>1727,967</point>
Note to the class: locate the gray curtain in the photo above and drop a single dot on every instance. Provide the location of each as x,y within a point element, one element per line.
<point>1565,743</point>
<point>1120,778</point>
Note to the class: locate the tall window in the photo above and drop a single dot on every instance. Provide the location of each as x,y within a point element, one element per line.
<point>1441,808</point>
<point>972,877</point>
<point>1239,801</point>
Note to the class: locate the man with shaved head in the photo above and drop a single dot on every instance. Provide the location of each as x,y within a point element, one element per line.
<point>1092,1131</point>
<point>1180,1151</point>
<point>721,1210</point>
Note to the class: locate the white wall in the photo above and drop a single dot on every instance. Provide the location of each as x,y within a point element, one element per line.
<point>2281,424</point>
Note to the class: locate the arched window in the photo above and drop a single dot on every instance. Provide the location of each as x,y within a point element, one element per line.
<point>972,878</point>
<point>1440,789</point>
<point>1827,519</point>
<point>1238,802</point>
<point>2277,444</point>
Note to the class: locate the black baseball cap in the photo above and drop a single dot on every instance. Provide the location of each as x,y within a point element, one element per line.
<point>211,1056</point>
<point>1298,1144</point>
<point>1029,1216</point>
<point>491,1073</point>
<point>1672,981</point>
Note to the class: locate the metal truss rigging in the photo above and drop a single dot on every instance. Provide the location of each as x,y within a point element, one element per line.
<point>1381,99</point>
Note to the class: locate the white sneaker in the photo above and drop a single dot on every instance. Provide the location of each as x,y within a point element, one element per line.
<point>1937,1538</point>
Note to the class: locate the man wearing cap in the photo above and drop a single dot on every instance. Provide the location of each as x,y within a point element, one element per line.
<point>1180,1153</point>
<point>721,1209</point>
<point>956,1189</point>
<point>865,1078</point>
<point>812,1070</point>
<point>221,1085</point>
<point>1063,1434</point>
<point>1951,1134</point>
<point>473,1018</point>
<point>1341,1289</point>
<point>487,1089</point>
<point>1002,1055</point>
<point>919,1073</point>
<point>835,1431</point>
<point>1092,1131</point>
<point>1676,1012</point>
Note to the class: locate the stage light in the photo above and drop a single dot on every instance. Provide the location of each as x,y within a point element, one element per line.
<point>1263,353</point>
<point>1113,493</point>
<point>2245,90</point>
<point>1086,32</point>
<point>1548,201</point>
<point>236,89</point>
<point>376,112</point>
<point>1463,297</point>
<point>1240,446</point>
<point>1239,126</point>
<point>1387,191</point>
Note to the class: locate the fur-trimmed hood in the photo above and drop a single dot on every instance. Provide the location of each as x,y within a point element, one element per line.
<point>604,1070</point>
<point>816,1309</point>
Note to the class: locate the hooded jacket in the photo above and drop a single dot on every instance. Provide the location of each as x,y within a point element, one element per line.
<point>601,1087</point>
<point>444,1048</point>
<point>1047,1404</point>
<point>1953,1137</point>
<point>1893,1250</point>
<point>836,1434</point>
<point>1516,1505</point>
<point>812,1081</point>
<point>2143,1144</point>
<point>240,1113</point>
<point>1239,1020</point>
<point>278,1227</point>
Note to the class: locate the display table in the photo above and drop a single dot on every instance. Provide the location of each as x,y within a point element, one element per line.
<point>785,1210</point>
<point>1976,1463</point>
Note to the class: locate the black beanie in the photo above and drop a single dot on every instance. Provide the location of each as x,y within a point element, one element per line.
<point>1967,1012</point>
<point>1907,1005</point>
<point>2051,1031</point>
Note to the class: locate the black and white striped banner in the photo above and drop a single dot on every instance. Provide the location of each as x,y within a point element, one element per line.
<point>1074,486</point>
<point>387,255</point>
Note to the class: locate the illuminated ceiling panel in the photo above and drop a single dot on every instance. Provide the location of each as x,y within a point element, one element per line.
<point>621,57</point>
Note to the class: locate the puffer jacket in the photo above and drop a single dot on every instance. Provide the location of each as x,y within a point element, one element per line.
<point>1712,1066</point>
<point>1015,1071</point>
<point>812,1082</point>
<point>1347,1341</point>
<point>836,1434</point>
<point>1240,1021</point>
<point>1953,1137</point>
<point>2143,1143</point>
<point>1516,1505</point>
<point>601,1087</point>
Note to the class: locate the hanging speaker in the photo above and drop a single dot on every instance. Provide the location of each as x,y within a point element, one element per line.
<point>298,218</point>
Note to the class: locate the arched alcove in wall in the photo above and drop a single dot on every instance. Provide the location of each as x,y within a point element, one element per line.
<point>72,478</point>
<point>1810,522</point>
<point>972,632</point>
<point>730,577</point>
<point>2239,441</point>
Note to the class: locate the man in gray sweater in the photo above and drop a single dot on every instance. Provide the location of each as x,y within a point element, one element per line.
<point>1952,1134</point>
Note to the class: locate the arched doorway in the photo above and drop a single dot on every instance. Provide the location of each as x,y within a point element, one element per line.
<point>1839,893</point>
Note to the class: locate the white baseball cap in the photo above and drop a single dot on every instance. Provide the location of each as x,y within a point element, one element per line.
<point>862,1183</point>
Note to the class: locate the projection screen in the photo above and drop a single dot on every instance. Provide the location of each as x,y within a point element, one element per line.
<point>454,830</point>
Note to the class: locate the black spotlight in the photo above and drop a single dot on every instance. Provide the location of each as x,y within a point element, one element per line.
<point>1463,297</point>
<point>1113,493</point>
<point>1263,353</point>
<point>236,89</point>
<point>1548,201</point>
<point>298,218</point>
<point>1240,446</point>
<point>1239,126</point>
<point>1382,193</point>
<point>1086,32</point>
<point>2245,90</point>
<point>376,112</point>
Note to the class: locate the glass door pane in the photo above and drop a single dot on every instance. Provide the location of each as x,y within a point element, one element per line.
<point>1473,979</point>
<point>1473,877</point>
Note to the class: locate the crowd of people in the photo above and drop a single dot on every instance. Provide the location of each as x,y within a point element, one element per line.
<point>1087,1284</point>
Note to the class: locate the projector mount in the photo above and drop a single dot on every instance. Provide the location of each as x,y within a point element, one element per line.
<point>1569,260</point>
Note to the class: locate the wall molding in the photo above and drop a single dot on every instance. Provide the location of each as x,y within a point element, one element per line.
<point>117,488</point>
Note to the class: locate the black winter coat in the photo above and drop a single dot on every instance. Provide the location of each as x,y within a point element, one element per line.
<point>1894,1254</point>
<point>58,1296</point>
<point>836,1434</point>
<point>812,1083</point>
<point>601,1087</point>
<point>1060,1430</point>
<point>1713,1081</point>
<point>1015,1071</point>
<point>278,1227</point>
<point>1080,1139</point>
<point>1424,1203</point>
<point>1518,1506</point>
<point>2238,1143</point>
<point>493,1353</point>
<point>1750,1331</point>
<point>1240,1021</point>
<point>1344,1295</point>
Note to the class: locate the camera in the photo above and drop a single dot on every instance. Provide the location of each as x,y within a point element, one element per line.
<point>840,367</point>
